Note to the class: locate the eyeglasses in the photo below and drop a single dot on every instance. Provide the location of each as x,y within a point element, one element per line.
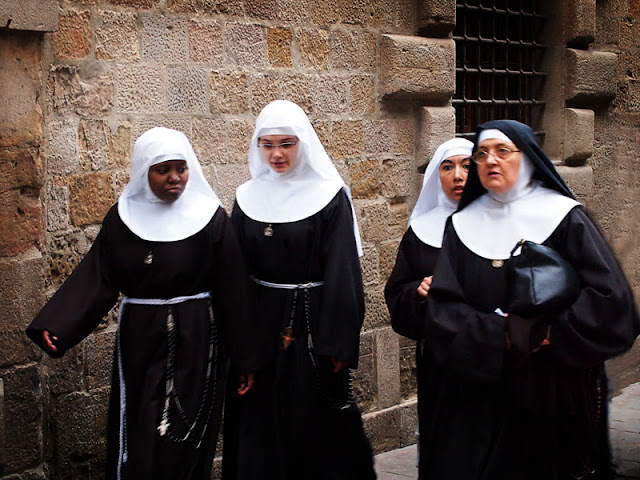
<point>502,153</point>
<point>270,147</point>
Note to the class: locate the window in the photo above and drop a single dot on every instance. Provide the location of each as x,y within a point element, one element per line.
<point>498,58</point>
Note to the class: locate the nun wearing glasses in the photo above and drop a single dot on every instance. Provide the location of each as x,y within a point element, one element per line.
<point>522,396</point>
<point>296,225</point>
<point>170,249</point>
<point>408,286</point>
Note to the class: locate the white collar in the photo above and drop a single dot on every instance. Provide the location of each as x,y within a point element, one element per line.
<point>433,207</point>
<point>144,213</point>
<point>491,228</point>
<point>303,191</point>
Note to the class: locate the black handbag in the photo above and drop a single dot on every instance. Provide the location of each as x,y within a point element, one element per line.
<point>541,281</point>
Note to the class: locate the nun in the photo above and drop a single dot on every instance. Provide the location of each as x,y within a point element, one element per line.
<point>170,249</point>
<point>296,225</point>
<point>521,396</point>
<point>408,286</point>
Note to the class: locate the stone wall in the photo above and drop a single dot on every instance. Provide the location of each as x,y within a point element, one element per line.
<point>376,78</point>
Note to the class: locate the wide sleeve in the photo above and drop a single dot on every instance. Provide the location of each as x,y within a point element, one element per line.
<point>82,301</point>
<point>407,309</point>
<point>337,334</point>
<point>603,321</point>
<point>468,341</point>
<point>233,297</point>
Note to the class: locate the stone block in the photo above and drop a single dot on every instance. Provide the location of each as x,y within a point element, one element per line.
<point>187,90</point>
<point>21,220</point>
<point>21,168</point>
<point>347,139</point>
<point>580,22</point>
<point>210,141</point>
<point>261,9</point>
<point>590,78</point>
<point>20,84</point>
<point>397,176</point>
<point>404,136</point>
<point>369,263</point>
<point>388,253</point>
<point>578,135</point>
<point>436,18</point>
<point>141,125</point>
<point>22,419</point>
<point>279,46</point>
<point>66,374</point>
<point>90,197</point>
<point>184,6</point>
<point>436,125</point>
<point>80,426</point>
<point>383,429</point>
<point>330,96</point>
<point>299,89</point>
<point>32,15</point>
<point>398,219</point>
<point>364,383</point>
<point>117,36</point>
<point>226,179</point>
<point>65,252</point>
<point>99,357</point>
<point>408,423</point>
<point>362,94</point>
<point>366,343</point>
<point>164,39</point>
<point>119,142</point>
<point>61,148</point>
<point>21,297</point>
<point>349,50</point>
<point>72,40</point>
<point>579,180</point>
<point>141,89</point>
<point>374,221</point>
<point>377,137</point>
<point>246,45</point>
<point>225,7</point>
<point>365,184</point>
<point>264,88</point>
<point>90,96</point>
<point>416,67</point>
<point>94,146</point>
<point>376,314</point>
<point>57,207</point>
<point>408,370</point>
<point>240,133</point>
<point>313,48</point>
<point>148,4</point>
<point>206,43</point>
<point>228,92</point>
<point>388,367</point>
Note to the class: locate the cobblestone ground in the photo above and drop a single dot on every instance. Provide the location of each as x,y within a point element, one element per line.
<point>624,419</point>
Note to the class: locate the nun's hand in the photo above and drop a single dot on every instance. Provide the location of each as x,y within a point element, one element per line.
<point>423,289</point>
<point>246,383</point>
<point>47,341</point>
<point>337,364</point>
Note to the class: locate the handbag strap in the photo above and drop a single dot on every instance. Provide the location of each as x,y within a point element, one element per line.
<point>518,245</point>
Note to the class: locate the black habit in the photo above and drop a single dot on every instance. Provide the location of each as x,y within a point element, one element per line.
<point>499,416</point>
<point>209,261</point>
<point>300,421</point>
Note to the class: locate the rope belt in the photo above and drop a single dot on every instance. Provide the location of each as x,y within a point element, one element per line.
<point>170,388</point>
<point>287,337</point>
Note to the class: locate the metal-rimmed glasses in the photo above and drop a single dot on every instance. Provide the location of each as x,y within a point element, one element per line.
<point>284,147</point>
<point>502,153</point>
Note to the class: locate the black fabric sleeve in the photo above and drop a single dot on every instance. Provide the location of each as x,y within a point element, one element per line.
<point>470,342</point>
<point>603,321</point>
<point>407,308</point>
<point>337,333</point>
<point>233,297</point>
<point>82,301</point>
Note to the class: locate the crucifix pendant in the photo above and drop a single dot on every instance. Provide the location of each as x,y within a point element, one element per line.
<point>149,258</point>
<point>268,231</point>
<point>287,338</point>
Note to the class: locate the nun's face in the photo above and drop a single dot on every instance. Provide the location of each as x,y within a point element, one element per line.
<point>499,174</point>
<point>453,175</point>
<point>279,151</point>
<point>168,179</point>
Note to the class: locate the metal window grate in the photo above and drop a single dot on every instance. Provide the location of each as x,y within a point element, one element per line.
<point>498,56</point>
